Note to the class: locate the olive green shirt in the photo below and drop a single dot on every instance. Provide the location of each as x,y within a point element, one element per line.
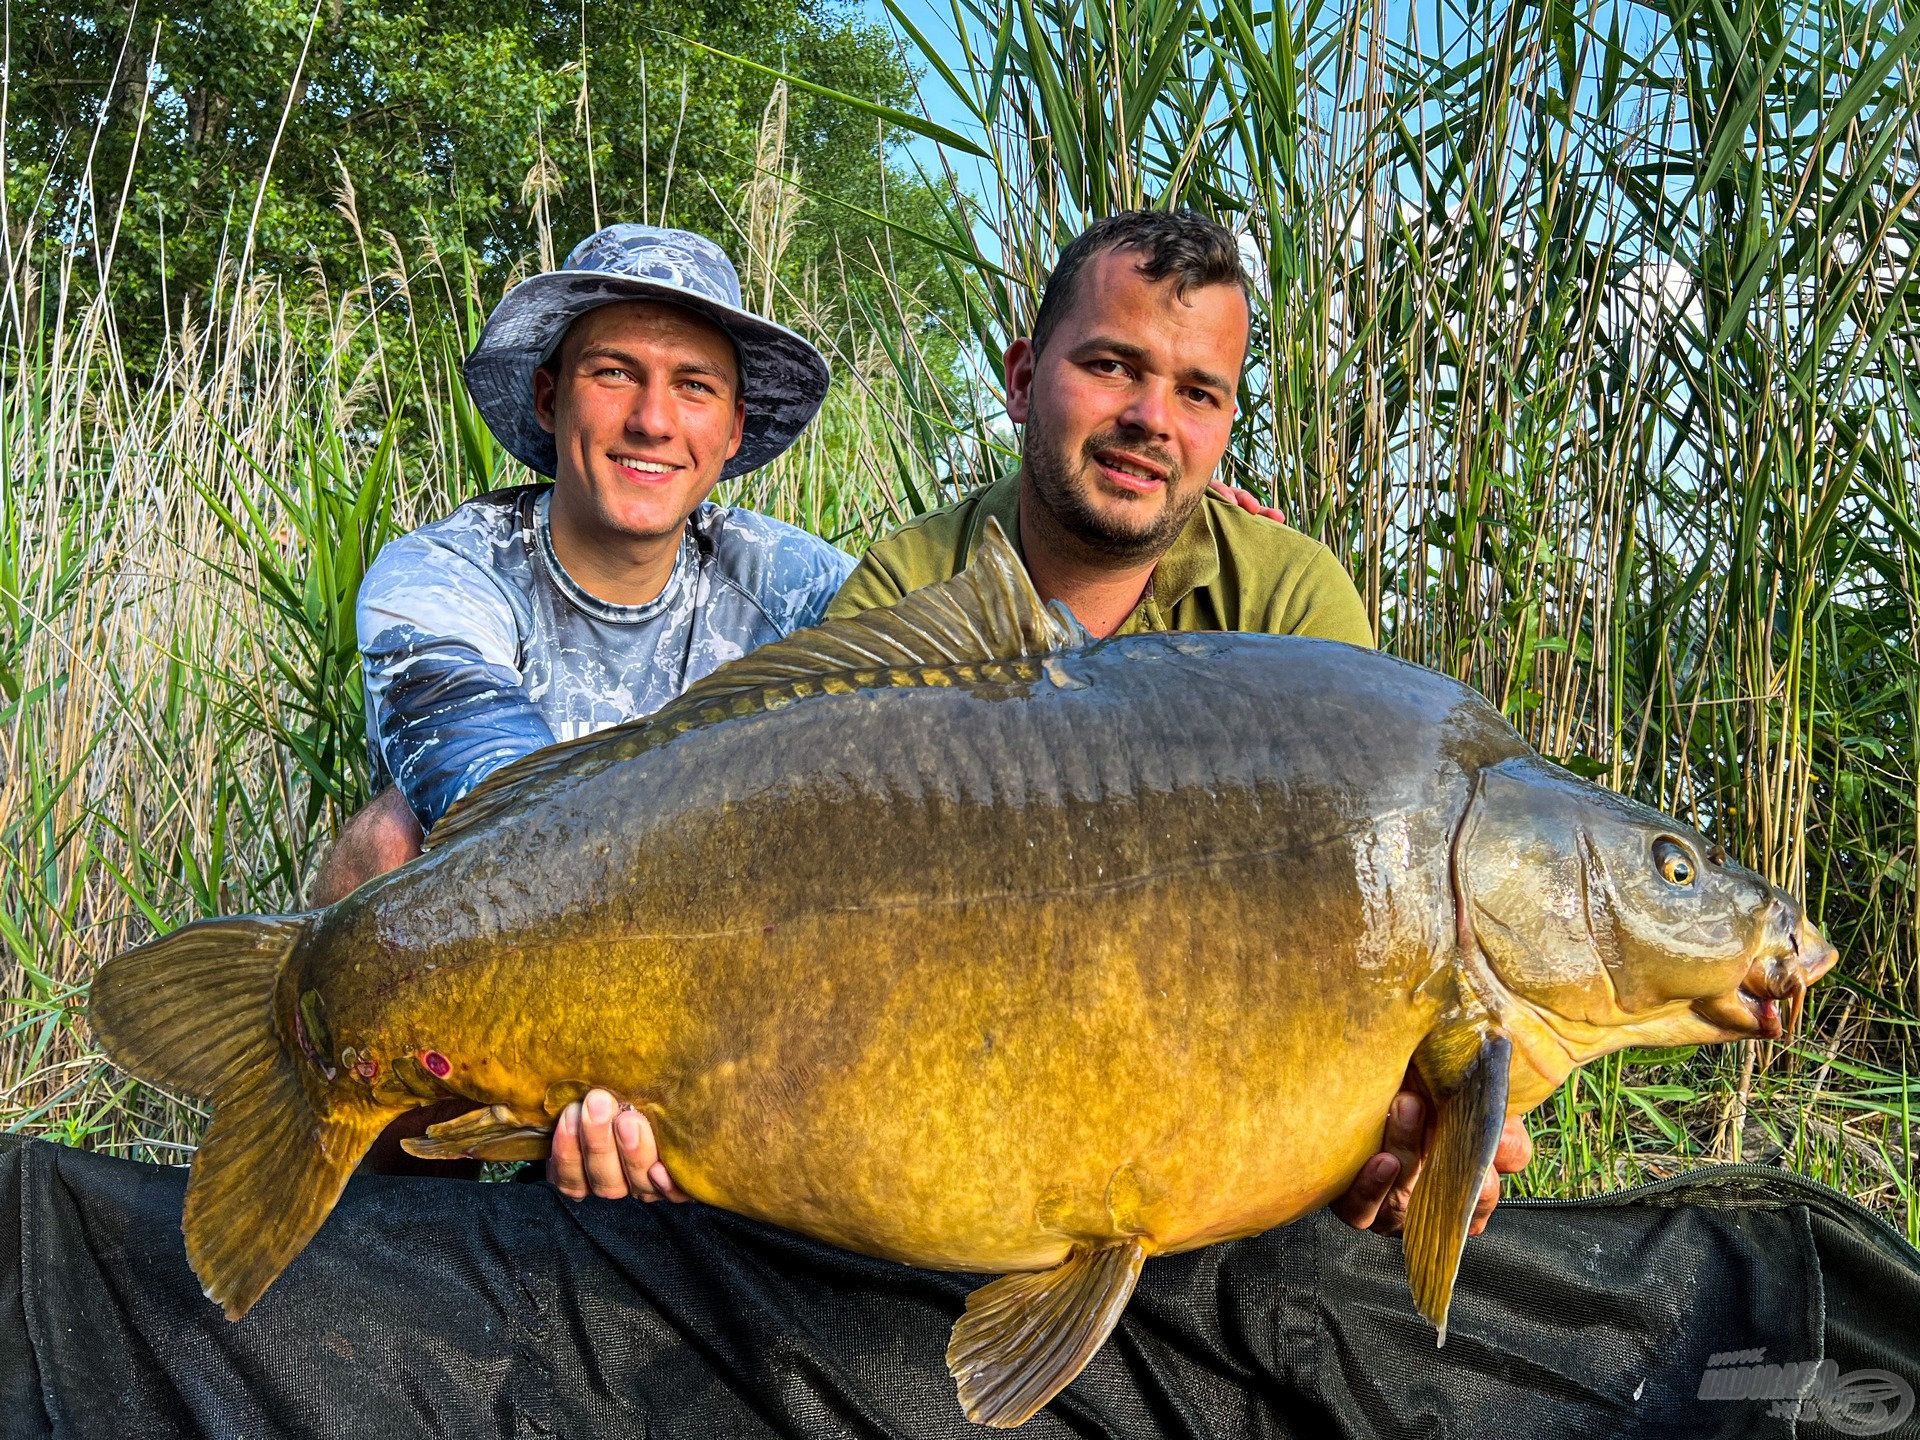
<point>1227,570</point>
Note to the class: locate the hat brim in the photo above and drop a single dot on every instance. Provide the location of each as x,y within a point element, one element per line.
<point>783,380</point>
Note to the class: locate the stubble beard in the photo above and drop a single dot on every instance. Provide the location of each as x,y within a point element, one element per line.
<point>1064,486</point>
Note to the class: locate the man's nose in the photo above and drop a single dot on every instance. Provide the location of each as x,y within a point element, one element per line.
<point>1150,408</point>
<point>652,411</point>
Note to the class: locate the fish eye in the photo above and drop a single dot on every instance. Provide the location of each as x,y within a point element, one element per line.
<point>1676,865</point>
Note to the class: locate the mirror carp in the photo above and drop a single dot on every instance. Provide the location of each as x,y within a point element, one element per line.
<point>946,935</point>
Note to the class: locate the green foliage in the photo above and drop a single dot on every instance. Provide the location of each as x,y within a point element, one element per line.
<point>336,138</point>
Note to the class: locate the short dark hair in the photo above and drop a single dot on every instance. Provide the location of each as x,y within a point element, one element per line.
<point>1185,244</point>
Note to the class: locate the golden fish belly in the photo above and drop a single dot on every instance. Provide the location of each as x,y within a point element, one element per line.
<point>971,1084</point>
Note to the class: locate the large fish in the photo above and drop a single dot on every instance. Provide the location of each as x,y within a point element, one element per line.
<point>947,936</point>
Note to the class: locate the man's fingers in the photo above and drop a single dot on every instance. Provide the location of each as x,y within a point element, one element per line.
<point>1483,1207</point>
<point>664,1183</point>
<point>646,1171</point>
<point>1245,499</point>
<point>1514,1155</point>
<point>605,1177</point>
<point>1405,1140</point>
<point>1516,1148</point>
<point>1406,1125</point>
<point>637,1153</point>
<point>1361,1202</point>
<point>1378,1197</point>
<point>565,1171</point>
<point>604,1148</point>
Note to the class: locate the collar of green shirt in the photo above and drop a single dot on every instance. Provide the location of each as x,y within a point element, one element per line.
<point>1191,563</point>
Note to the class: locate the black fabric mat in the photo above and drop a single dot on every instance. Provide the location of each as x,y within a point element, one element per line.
<point>428,1308</point>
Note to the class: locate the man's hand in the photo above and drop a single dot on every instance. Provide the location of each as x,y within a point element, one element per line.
<point>1245,499</point>
<point>1378,1197</point>
<point>605,1148</point>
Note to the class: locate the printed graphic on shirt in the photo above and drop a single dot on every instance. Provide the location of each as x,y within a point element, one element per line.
<point>479,648</point>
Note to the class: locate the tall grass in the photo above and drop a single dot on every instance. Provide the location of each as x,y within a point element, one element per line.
<point>1584,331</point>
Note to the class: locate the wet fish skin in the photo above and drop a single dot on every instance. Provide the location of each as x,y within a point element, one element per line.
<point>804,936</point>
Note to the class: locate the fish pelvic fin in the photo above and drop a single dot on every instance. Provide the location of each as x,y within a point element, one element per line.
<point>987,613</point>
<point>495,1133</point>
<point>193,1012</point>
<point>1024,1337</point>
<point>1466,1069</point>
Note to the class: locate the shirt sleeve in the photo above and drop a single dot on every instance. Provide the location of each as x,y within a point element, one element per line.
<point>870,585</point>
<point>445,701</point>
<point>786,573</point>
<point>1325,605</point>
<point>825,571</point>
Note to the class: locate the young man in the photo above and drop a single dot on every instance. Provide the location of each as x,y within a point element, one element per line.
<point>1126,389</point>
<point>633,377</point>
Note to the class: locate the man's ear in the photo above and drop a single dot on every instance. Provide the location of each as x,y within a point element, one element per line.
<point>543,392</point>
<point>1019,372</point>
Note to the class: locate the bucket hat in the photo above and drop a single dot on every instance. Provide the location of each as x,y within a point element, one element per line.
<point>783,378</point>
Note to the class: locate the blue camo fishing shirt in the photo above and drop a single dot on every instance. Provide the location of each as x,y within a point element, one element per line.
<point>479,648</point>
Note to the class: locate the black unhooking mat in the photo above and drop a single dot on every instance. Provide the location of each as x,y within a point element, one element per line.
<point>440,1308</point>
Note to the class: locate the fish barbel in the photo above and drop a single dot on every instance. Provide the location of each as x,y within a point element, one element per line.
<point>946,935</point>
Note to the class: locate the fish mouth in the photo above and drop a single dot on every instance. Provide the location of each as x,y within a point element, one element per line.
<point>1772,999</point>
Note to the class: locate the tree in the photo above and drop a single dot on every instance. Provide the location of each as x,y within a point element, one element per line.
<point>485,130</point>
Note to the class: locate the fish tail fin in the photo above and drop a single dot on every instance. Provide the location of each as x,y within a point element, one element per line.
<point>267,1173</point>
<point>193,1012</point>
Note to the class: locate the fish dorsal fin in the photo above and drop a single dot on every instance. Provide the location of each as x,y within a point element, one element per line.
<point>988,612</point>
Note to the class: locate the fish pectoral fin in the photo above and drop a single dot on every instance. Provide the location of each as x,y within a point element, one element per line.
<point>1025,1336</point>
<point>495,1133</point>
<point>1466,1069</point>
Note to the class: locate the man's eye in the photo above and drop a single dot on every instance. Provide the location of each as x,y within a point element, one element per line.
<point>1203,397</point>
<point>1107,367</point>
<point>700,385</point>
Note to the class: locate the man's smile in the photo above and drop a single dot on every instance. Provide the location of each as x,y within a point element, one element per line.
<point>638,467</point>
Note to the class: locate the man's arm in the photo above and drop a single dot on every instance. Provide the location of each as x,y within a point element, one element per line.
<point>382,835</point>
<point>445,702</point>
<point>444,706</point>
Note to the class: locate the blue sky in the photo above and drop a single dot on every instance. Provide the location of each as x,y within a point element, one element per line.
<point>935,20</point>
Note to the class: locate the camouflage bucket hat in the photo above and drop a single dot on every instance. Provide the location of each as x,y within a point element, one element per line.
<point>783,378</point>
